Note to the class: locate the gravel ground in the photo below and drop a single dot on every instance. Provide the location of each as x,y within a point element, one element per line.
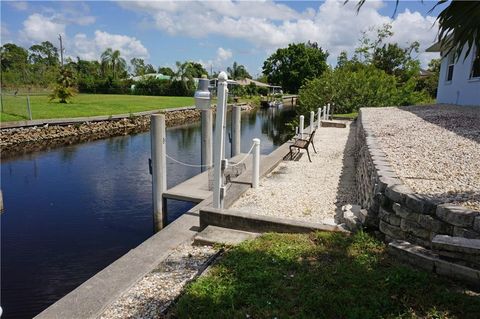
<point>433,149</point>
<point>308,191</point>
<point>153,294</point>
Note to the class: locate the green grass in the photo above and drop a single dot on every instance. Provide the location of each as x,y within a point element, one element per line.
<point>14,108</point>
<point>321,275</point>
<point>350,116</point>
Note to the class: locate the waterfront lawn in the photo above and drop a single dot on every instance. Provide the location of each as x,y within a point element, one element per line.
<point>321,275</point>
<point>15,109</point>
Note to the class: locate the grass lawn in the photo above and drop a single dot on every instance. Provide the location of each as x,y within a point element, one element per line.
<point>321,275</point>
<point>14,108</point>
<point>349,116</point>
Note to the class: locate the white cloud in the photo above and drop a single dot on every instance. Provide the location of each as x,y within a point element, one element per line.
<point>38,28</point>
<point>270,25</point>
<point>224,54</point>
<point>19,5</point>
<point>91,48</point>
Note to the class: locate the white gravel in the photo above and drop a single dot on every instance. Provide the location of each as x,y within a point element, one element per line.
<point>153,294</point>
<point>433,149</point>
<point>308,191</point>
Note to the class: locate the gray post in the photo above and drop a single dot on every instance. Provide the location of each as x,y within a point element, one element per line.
<point>207,133</point>
<point>236,129</point>
<point>29,109</point>
<point>219,155</point>
<point>256,163</point>
<point>159,168</point>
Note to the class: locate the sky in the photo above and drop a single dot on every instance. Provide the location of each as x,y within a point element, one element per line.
<point>214,33</point>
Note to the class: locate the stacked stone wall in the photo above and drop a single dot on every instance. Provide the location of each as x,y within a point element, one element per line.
<point>397,211</point>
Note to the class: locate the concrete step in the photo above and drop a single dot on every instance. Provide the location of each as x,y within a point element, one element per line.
<point>219,235</point>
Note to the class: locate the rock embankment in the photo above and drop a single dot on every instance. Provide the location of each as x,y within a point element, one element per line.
<point>28,139</point>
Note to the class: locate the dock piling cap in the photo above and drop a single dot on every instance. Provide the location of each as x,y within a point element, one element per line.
<point>222,77</point>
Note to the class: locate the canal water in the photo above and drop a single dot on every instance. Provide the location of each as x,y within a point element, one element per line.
<point>73,210</point>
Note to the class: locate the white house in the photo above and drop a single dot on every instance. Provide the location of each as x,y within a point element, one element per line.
<point>459,80</point>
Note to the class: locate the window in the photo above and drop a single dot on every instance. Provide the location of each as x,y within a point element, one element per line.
<point>450,65</point>
<point>475,72</point>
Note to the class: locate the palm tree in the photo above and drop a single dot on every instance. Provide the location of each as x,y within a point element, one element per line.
<point>459,24</point>
<point>237,71</point>
<point>184,71</point>
<point>112,60</point>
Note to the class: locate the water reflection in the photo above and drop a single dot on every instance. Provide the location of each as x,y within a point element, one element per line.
<point>73,210</point>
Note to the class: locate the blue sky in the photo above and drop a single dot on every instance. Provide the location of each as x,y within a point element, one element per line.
<point>214,33</point>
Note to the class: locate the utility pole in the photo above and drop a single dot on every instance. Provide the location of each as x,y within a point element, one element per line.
<point>61,48</point>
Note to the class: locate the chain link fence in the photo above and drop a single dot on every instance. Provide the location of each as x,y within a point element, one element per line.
<point>17,106</point>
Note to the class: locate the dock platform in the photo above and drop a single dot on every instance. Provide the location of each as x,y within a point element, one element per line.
<point>196,188</point>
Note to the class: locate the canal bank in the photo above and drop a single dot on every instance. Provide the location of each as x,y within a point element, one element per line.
<point>28,136</point>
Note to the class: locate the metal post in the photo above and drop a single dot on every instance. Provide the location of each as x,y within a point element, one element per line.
<point>296,130</point>
<point>236,131</point>
<point>319,117</point>
<point>222,94</point>
<point>324,113</point>
<point>159,168</point>
<point>256,163</point>
<point>328,111</point>
<point>312,120</point>
<point>207,139</point>
<point>29,108</point>
<point>302,119</point>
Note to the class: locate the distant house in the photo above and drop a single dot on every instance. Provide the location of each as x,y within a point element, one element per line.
<point>158,76</point>
<point>459,79</point>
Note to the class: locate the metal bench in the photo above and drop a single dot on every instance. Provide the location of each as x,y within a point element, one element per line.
<point>301,143</point>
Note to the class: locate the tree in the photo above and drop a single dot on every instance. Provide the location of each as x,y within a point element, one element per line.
<point>112,61</point>
<point>196,69</point>
<point>182,82</point>
<point>459,24</point>
<point>13,57</point>
<point>45,53</point>
<point>350,89</point>
<point>290,67</point>
<point>138,66</point>
<point>238,72</point>
<point>149,69</point>
<point>14,64</point>
<point>166,71</point>
<point>262,78</point>
<point>429,83</point>
<point>64,90</point>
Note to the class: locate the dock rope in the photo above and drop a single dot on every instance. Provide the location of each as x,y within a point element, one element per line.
<point>200,166</point>
<point>244,158</point>
<point>185,164</point>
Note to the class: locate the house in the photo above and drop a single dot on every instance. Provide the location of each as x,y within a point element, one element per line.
<point>459,79</point>
<point>158,76</point>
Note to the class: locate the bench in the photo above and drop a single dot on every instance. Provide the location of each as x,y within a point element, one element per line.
<point>303,144</point>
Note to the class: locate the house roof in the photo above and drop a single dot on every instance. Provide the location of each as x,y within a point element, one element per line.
<point>159,76</point>
<point>436,47</point>
<point>247,81</point>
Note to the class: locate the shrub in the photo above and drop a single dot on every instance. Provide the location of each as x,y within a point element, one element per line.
<point>351,89</point>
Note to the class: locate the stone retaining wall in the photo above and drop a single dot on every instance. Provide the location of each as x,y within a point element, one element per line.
<point>399,213</point>
<point>23,140</point>
<point>24,137</point>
